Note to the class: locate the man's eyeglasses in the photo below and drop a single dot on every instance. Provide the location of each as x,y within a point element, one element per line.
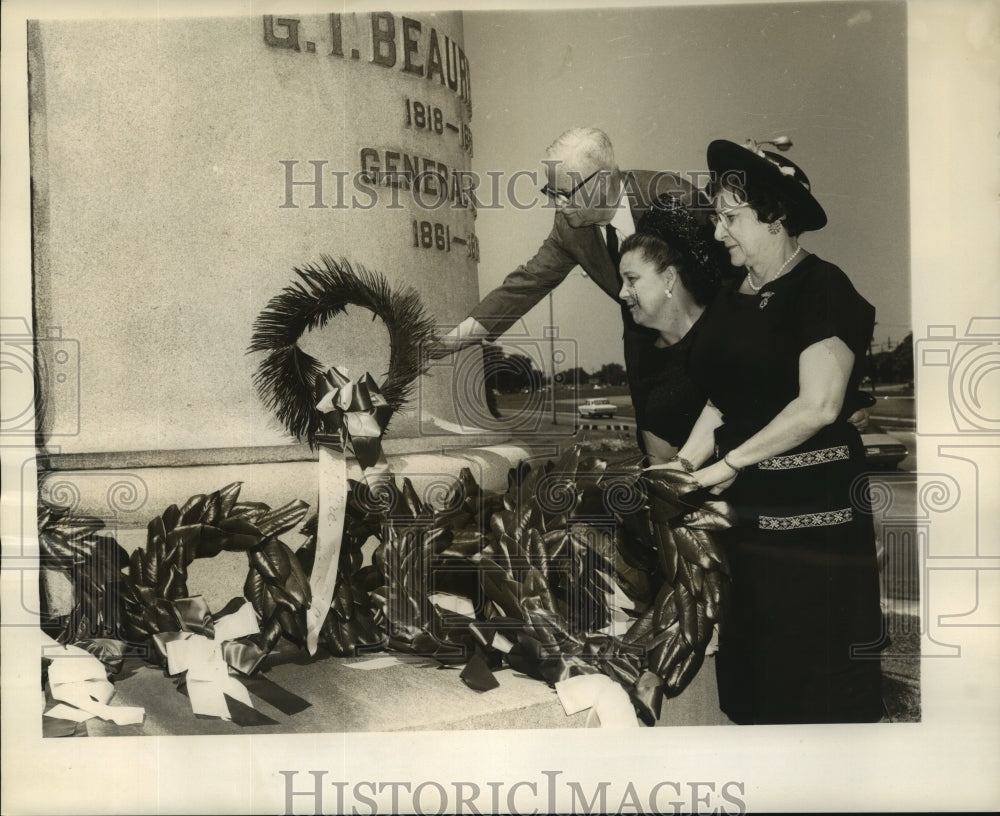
<point>559,197</point>
<point>725,217</point>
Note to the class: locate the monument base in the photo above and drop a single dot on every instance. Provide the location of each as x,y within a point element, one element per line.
<point>406,694</point>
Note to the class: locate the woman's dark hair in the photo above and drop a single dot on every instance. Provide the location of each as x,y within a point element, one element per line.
<point>668,234</point>
<point>769,204</point>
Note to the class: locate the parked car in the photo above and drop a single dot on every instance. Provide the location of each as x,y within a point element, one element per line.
<point>595,408</point>
<point>882,450</point>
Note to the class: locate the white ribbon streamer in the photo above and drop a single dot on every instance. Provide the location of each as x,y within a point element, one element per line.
<point>78,678</point>
<point>329,537</point>
<point>599,692</point>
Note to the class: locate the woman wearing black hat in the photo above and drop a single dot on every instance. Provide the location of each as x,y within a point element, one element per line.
<point>776,353</point>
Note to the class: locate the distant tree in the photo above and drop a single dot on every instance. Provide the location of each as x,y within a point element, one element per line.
<point>574,375</point>
<point>895,366</point>
<point>611,374</point>
<point>510,373</point>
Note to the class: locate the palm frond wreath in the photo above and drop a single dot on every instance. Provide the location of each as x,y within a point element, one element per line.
<point>285,379</point>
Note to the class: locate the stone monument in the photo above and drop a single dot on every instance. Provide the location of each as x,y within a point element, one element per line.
<point>181,169</point>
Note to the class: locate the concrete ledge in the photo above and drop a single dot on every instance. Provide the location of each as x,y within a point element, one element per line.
<point>255,455</point>
<point>415,694</point>
<point>131,497</point>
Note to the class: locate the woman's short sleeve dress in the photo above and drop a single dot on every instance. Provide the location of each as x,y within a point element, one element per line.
<point>668,399</point>
<point>802,635</point>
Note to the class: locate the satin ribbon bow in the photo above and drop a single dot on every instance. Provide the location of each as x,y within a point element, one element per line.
<point>205,649</point>
<point>80,681</point>
<point>356,410</point>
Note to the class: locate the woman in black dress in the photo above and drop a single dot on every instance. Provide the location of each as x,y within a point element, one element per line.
<point>671,269</point>
<point>776,352</point>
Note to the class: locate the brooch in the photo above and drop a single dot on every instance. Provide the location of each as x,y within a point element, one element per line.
<point>764,298</point>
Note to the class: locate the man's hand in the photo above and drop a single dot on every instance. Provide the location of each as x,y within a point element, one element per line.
<point>467,333</point>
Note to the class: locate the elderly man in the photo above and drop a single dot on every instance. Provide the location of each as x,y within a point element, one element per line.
<point>598,206</point>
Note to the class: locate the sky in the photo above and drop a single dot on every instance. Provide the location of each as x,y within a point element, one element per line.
<point>663,83</point>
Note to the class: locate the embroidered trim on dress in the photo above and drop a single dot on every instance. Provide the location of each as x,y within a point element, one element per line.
<point>827,519</point>
<point>797,460</point>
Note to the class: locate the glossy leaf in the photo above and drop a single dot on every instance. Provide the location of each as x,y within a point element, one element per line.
<point>710,515</point>
<point>687,614</point>
<point>283,519</point>
<point>191,509</point>
<point>667,550</point>
<point>228,497</point>
<point>698,547</point>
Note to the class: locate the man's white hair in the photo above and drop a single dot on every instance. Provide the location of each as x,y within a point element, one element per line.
<point>585,148</point>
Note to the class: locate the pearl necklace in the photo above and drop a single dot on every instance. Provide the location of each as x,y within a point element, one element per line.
<point>784,266</point>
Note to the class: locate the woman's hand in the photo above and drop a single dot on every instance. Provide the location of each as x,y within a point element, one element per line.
<point>864,402</point>
<point>673,478</point>
<point>658,450</point>
<point>717,476</point>
<point>859,419</point>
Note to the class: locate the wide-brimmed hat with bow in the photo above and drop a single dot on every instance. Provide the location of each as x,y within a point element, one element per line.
<point>750,167</point>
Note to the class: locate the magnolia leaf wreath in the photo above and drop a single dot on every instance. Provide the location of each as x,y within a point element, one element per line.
<point>122,603</point>
<point>536,569</point>
<point>286,378</point>
<point>203,527</point>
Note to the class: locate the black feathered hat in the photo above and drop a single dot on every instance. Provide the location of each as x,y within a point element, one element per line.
<point>751,168</point>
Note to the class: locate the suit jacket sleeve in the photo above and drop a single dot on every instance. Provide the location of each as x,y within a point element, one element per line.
<point>566,247</point>
<point>525,286</point>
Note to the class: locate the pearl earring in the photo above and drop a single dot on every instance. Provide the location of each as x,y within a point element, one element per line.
<point>669,292</point>
<point>774,227</point>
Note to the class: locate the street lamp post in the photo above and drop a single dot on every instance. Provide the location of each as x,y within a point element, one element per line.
<point>871,359</point>
<point>552,357</point>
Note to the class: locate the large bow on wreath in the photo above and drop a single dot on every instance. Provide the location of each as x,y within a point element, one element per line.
<point>356,410</point>
<point>205,649</point>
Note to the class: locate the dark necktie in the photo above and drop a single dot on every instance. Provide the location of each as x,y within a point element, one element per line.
<point>612,236</point>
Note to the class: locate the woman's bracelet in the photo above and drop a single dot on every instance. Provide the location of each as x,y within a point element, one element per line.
<point>730,464</point>
<point>684,463</point>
